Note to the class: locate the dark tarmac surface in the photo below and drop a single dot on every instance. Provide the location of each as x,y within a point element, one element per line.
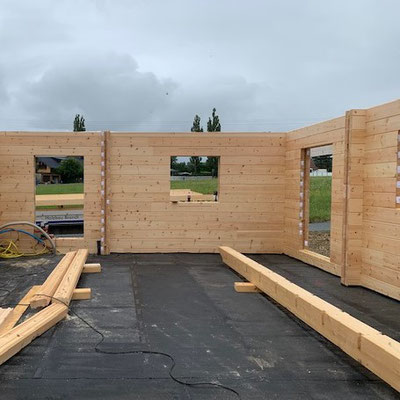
<point>185,305</point>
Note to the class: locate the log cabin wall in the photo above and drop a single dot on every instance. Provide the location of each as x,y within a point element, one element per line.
<point>380,269</point>
<point>326,133</point>
<point>128,207</point>
<point>17,178</point>
<point>248,215</point>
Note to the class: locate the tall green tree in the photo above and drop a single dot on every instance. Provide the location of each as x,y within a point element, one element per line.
<point>195,164</point>
<point>213,125</point>
<point>196,161</point>
<point>79,123</point>
<point>71,170</point>
<point>196,127</point>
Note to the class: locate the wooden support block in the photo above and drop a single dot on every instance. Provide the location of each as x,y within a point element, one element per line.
<point>50,286</point>
<point>18,310</point>
<point>82,294</point>
<point>20,336</point>
<point>91,268</point>
<point>365,344</point>
<point>246,287</point>
<point>68,284</point>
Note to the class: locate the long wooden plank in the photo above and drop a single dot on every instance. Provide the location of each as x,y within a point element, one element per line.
<point>18,310</point>
<point>52,282</point>
<point>375,351</point>
<point>68,284</point>
<point>59,199</point>
<point>5,314</point>
<point>20,336</point>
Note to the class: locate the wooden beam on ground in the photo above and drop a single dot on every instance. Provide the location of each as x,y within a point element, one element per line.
<point>82,294</point>
<point>20,336</point>
<point>68,284</point>
<point>246,287</point>
<point>19,310</point>
<point>52,282</point>
<point>5,314</point>
<point>91,268</point>
<point>377,352</point>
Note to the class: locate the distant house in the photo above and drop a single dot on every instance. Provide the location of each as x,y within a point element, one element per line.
<point>46,169</point>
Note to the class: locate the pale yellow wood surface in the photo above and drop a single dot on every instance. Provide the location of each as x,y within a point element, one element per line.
<point>365,344</point>
<point>81,294</point>
<point>246,287</point>
<point>91,268</point>
<point>68,284</point>
<point>49,287</point>
<point>17,338</point>
<point>19,310</point>
<point>5,314</point>
<point>59,199</point>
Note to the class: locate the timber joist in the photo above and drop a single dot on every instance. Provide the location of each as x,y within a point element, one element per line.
<point>377,352</point>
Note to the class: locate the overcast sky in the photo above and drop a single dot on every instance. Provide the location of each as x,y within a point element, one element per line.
<point>151,65</point>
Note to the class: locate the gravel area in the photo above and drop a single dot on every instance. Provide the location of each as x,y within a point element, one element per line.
<point>319,242</point>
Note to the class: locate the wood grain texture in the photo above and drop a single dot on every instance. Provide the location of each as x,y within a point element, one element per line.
<point>68,284</point>
<point>52,282</point>
<point>19,310</point>
<point>23,334</point>
<point>377,352</point>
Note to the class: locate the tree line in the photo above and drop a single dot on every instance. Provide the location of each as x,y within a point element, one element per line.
<point>196,165</point>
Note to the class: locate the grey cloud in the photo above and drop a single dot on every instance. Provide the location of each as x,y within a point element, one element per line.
<point>108,90</point>
<point>265,65</point>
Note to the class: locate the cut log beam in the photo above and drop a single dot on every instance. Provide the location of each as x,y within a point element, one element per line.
<point>52,282</point>
<point>68,284</point>
<point>246,287</point>
<point>91,268</point>
<point>377,352</point>
<point>5,315</point>
<point>82,294</point>
<point>20,336</point>
<point>19,310</point>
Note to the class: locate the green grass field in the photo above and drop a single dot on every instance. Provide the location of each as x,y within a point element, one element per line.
<point>320,192</point>
<point>208,186</point>
<point>62,188</point>
<point>320,198</point>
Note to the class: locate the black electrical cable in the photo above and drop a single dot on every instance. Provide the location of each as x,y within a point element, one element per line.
<point>160,353</point>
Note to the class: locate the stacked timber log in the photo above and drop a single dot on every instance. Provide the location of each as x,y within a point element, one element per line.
<point>54,295</point>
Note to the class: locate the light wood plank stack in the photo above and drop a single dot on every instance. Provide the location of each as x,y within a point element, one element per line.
<point>60,288</point>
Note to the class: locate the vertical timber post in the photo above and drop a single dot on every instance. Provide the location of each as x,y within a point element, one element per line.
<point>353,197</point>
<point>104,247</point>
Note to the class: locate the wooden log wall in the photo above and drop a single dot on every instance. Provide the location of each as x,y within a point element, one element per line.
<point>261,200</point>
<point>249,211</point>
<point>325,133</point>
<point>381,215</point>
<point>17,178</point>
